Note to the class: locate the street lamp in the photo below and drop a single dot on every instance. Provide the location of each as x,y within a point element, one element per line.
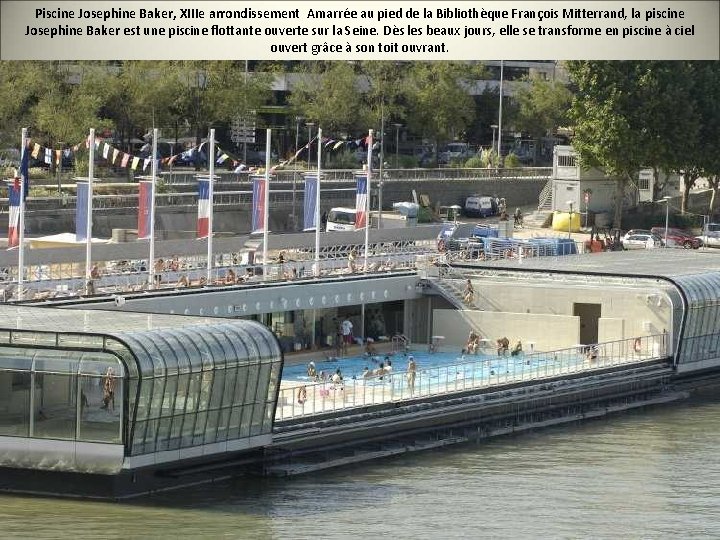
<point>667,198</point>
<point>309,126</point>
<point>298,119</point>
<point>570,204</point>
<point>494,127</point>
<point>397,145</point>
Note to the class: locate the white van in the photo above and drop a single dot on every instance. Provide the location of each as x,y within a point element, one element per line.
<point>480,206</point>
<point>341,219</point>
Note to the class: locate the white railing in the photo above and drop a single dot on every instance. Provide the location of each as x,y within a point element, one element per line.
<point>67,279</point>
<point>298,399</point>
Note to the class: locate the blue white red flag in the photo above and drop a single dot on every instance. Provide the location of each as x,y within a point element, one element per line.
<point>145,217</point>
<point>361,202</point>
<point>258,214</point>
<point>203,223</point>
<point>309,206</point>
<point>14,215</point>
<point>24,173</point>
<point>81,214</point>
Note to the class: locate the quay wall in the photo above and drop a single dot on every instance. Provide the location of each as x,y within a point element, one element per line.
<point>177,215</point>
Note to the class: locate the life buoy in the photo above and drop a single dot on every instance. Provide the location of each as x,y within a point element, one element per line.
<point>302,395</point>
<point>637,345</point>
<point>441,245</point>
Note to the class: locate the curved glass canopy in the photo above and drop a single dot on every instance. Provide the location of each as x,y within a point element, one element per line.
<point>149,382</point>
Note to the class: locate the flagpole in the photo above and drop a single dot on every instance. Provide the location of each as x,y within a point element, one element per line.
<point>151,256</point>
<point>317,207</point>
<point>266,202</point>
<point>211,167</point>
<point>88,225</point>
<point>367,201</point>
<point>21,217</point>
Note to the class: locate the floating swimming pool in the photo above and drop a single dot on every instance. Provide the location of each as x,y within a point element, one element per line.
<point>439,367</point>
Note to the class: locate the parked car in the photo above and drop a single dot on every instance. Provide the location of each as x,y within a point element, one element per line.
<point>677,238</point>
<point>453,151</point>
<point>641,241</point>
<point>711,235</point>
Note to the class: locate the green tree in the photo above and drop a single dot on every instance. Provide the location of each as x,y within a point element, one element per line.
<point>542,107</point>
<point>329,95</point>
<point>630,115</point>
<point>438,98</point>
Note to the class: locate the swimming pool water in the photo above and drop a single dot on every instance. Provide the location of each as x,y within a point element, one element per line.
<point>467,366</point>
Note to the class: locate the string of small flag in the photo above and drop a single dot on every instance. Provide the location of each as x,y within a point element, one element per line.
<point>123,159</point>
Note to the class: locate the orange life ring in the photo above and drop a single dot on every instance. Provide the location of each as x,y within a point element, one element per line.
<point>302,395</point>
<point>637,345</point>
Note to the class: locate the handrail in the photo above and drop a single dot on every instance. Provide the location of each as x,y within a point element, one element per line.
<point>306,399</point>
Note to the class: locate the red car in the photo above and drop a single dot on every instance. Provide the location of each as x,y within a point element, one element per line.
<point>677,238</point>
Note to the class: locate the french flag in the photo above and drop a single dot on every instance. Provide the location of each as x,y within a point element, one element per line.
<point>203,223</point>
<point>361,202</point>
<point>258,213</point>
<point>14,222</point>
<point>145,209</point>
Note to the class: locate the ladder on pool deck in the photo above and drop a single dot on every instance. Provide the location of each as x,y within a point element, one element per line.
<point>399,343</point>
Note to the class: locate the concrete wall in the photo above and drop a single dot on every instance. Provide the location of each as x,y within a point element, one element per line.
<point>48,216</point>
<point>547,332</point>
<point>543,312</point>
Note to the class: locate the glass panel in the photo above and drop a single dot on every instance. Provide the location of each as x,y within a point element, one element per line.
<point>55,406</point>
<point>100,416</point>
<point>241,385</point>
<point>163,437</point>
<point>15,403</point>
<point>223,419</point>
<point>16,358</point>
<point>263,383</point>
<point>216,398</point>
<point>257,418</point>
<point>138,439</point>
<point>171,391</point>
<point>234,425</point>
<point>49,361</point>
<point>246,420</point>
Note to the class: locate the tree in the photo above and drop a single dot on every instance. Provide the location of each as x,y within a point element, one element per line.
<point>630,115</point>
<point>329,95</point>
<point>542,107</point>
<point>440,104</point>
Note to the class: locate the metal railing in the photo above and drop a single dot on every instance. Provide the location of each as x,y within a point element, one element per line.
<point>64,280</point>
<point>348,175</point>
<point>298,399</point>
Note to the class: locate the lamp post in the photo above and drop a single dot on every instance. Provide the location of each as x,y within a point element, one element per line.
<point>298,119</point>
<point>494,127</point>
<point>397,145</point>
<point>570,204</point>
<point>667,198</point>
<point>499,147</point>
<point>309,126</point>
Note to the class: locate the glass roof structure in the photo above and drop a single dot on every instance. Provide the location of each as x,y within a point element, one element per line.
<point>694,276</point>
<point>152,383</point>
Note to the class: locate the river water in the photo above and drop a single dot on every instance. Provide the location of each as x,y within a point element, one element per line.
<point>653,473</point>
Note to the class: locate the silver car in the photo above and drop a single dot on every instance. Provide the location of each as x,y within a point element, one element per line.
<point>641,241</point>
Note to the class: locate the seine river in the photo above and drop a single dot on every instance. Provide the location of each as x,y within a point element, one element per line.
<point>646,474</point>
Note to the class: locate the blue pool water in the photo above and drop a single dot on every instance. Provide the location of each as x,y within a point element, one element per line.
<point>436,367</point>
